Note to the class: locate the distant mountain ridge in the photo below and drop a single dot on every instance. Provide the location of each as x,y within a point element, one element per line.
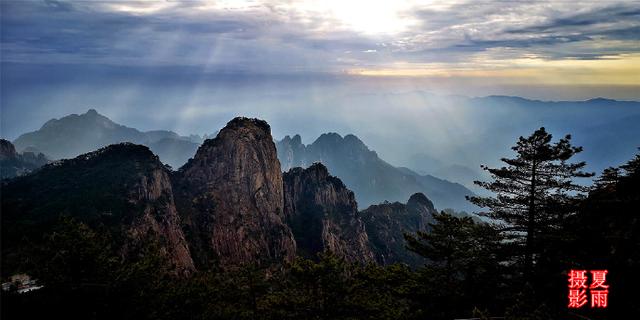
<point>75,134</point>
<point>372,179</point>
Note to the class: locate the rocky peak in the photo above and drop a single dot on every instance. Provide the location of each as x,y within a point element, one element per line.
<point>419,201</point>
<point>247,124</point>
<point>386,224</point>
<point>233,197</point>
<point>355,142</point>
<point>318,172</point>
<point>323,215</point>
<point>296,140</point>
<point>292,142</point>
<point>329,138</point>
<point>291,152</point>
<point>7,150</point>
<point>91,117</point>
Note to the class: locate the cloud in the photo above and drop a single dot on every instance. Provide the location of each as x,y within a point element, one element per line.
<point>304,36</point>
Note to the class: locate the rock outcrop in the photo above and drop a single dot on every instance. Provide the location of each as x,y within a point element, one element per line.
<point>386,224</point>
<point>232,198</point>
<point>323,215</point>
<point>122,188</point>
<point>291,152</point>
<point>13,164</point>
<point>7,150</point>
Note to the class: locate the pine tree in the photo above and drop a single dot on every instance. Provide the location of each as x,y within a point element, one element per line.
<point>609,177</point>
<point>462,272</point>
<point>632,167</point>
<point>534,192</point>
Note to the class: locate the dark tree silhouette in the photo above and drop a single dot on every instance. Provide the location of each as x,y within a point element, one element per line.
<point>534,192</point>
<point>463,270</point>
<point>609,176</point>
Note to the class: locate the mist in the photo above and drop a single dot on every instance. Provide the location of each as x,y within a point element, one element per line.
<point>398,119</point>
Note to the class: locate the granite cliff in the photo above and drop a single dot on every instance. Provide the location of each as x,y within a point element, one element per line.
<point>231,198</point>
<point>386,224</point>
<point>323,215</point>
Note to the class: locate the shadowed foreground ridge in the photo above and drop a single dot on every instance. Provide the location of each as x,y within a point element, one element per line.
<point>387,223</point>
<point>123,187</point>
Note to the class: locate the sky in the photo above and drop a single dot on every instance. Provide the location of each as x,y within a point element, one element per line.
<point>524,42</point>
<point>306,66</point>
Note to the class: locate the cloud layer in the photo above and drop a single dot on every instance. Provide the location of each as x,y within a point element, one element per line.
<point>304,36</point>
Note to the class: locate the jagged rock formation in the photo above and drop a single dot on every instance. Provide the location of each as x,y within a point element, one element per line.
<point>13,164</point>
<point>372,179</point>
<point>231,197</point>
<point>386,224</point>
<point>291,152</point>
<point>7,150</point>
<point>229,206</point>
<point>122,187</point>
<point>323,215</point>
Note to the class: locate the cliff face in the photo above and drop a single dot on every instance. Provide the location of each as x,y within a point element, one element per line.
<point>387,223</point>
<point>160,219</point>
<point>232,198</point>
<point>124,188</point>
<point>7,150</point>
<point>323,215</point>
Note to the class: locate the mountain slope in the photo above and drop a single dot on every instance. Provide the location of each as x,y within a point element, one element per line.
<point>123,188</point>
<point>372,179</point>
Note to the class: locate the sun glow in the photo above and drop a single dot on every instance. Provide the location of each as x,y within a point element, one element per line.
<point>367,17</point>
<point>370,16</point>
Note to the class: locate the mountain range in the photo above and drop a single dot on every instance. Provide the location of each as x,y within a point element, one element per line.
<point>372,179</point>
<point>230,205</point>
<point>75,134</point>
